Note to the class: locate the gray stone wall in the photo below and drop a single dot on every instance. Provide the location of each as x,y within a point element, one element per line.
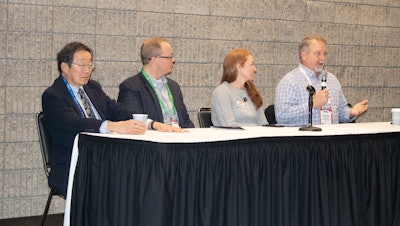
<point>363,40</point>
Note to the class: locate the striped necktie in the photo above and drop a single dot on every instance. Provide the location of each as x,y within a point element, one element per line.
<point>86,104</point>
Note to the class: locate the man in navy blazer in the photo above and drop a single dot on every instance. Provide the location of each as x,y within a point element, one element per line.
<point>150,91</point>
<point>65,113</point>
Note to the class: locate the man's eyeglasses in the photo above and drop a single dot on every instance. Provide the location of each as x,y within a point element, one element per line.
<point>164,57</point>
<point>88,66</point>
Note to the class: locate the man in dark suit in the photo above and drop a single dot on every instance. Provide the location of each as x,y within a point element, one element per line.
<point>150,91</point>
<point>75,103</point>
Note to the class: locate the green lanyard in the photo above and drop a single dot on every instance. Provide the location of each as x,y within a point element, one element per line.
<point>164,108</point>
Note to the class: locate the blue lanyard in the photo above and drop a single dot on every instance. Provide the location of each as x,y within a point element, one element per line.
<point>73,96</point>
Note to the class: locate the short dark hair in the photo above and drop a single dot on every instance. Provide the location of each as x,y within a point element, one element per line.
<point>67,53</point>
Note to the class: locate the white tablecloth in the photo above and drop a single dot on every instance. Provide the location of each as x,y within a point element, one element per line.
<point>196,135</point>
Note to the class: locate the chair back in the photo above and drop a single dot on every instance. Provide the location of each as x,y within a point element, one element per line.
<point>270,114</point>
<point>204,117</point>
<point>45,142</point>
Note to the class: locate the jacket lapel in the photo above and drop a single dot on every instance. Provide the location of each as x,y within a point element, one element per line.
<point>153,94</point>
<point>63,88</point>
<point>93,98</point>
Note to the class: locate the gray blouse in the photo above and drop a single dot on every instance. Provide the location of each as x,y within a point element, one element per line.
<point>233,107</point>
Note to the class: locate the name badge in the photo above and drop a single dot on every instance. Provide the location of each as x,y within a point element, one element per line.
<point>326,116</point>
<point>174,123</point>
<point>240,103</point>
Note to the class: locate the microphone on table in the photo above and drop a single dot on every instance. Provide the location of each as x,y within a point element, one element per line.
<point>323,79</point>
<point>310,127</point>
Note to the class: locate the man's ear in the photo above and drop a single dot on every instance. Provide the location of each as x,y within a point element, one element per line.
<point>64,66</point>
<point>303,54</point>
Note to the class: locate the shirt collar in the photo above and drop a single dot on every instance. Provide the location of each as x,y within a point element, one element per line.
<point>160,82</point>
<point>73,88</point>
<point>309,72</point>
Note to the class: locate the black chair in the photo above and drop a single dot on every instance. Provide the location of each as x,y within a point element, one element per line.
<point>270,114</point>
<point>204,117</point>
<point>45,146</point>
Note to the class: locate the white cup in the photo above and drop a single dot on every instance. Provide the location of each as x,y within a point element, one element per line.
<point>396,116</point>
<point>140,117</point>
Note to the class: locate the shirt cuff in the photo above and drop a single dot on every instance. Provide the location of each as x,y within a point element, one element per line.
<point>148,123</point>
<point>103,127</point>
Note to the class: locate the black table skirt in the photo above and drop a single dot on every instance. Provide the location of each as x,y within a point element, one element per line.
<point>285,181</point>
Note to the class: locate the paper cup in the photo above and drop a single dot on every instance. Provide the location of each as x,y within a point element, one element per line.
<point>396,116</point>
<point>140,117</point>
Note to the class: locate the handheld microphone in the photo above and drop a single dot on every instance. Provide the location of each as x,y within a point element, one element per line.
<point>323,79</point>
<point>244,99</point>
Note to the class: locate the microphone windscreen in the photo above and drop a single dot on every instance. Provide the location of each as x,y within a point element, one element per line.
<point>323,75</point>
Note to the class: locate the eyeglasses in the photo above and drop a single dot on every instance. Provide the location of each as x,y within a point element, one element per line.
<point>88,66</point>
<point>164,57</point>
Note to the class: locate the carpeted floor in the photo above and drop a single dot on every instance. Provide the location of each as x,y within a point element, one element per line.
<point>51,220</point>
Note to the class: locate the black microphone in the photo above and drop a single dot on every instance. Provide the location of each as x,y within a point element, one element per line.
<point>323,79</point>
<point>244,99</point>
<point>310,127</point>
<point>311,90</point>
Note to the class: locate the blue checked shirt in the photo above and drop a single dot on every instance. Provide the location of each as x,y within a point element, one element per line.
<point>291,98</point>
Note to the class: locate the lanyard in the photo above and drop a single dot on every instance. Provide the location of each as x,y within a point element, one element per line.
<point>305,74</point>
<point>73,96</point>
<point>163,106</point>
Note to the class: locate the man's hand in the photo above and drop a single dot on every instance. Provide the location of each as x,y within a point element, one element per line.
<point>127,127</point>
<point>359,108</point>
<point>320,98</point>
<point>162,127</point>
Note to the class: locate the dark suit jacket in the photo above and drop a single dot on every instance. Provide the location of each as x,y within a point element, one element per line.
<point>138,95</point>
<point>63,119</point>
